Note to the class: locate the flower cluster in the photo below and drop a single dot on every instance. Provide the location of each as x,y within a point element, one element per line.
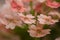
<point>34,13</point>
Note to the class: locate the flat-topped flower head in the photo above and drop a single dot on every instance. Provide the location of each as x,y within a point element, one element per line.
<point>37,31</point>
<point>54,14</point>
<point>28,19</point>
<point>52,4</point>
<point>43,19</point>
<point>17,6</point>
<point>3,21</point>
<point>10,26</point>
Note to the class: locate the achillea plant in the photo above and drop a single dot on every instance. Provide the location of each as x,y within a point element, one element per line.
<point>31,19</point>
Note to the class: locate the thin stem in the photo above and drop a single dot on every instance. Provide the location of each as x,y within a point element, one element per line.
<point>37,38</point>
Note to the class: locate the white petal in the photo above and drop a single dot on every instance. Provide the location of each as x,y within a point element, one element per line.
<point>41,1</point>
<point>3,21</point>
<point>10,26</point>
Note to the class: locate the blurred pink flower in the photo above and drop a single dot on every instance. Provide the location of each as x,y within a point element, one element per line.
<point>10,26</point>
<point>52,4</point>
<point>28,19</point>
<point>38,7</point>
<point>37,31</point>
<point>17,6</point>
<point>43,19</point>
<point>3,21</point>
<point>54,13</point>
<point>57,38</point>
<point>13,24</point>
<point>9,18</point>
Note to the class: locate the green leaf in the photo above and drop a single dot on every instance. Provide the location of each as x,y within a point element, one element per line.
<point>25,26</point>
<point>57,0</point>
<point>46,26</point>
<point>37,38</point>
<point>55,32</point>
<point>24,35</point>
<point>32,12</point>
<point>31,6</point>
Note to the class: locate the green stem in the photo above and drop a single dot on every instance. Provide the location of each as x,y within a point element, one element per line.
<point>37,38</point>
<point>31,6</point>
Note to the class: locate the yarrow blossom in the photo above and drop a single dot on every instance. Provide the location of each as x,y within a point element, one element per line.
<point>43,19</point>
<point>54,14</point>
<point>10,26</point>
<point>17,6</point>
<point>52,4</point>
<point>38,31</point>
<point>34,13</point>
<point>7,16</point>
<point>3,21</point>
<point>28,19</point>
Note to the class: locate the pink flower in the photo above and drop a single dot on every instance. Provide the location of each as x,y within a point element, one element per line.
<point>43,19</point>
<point>9,18</point>
<point>3,21</point>
<point>4,30</point>
<point>10,26</point>
<point>57,38</point>
<point>28,19</point>
<point>17,6</point>
<point>13,24</point>
<point>37,31</point>
<point>54,14</point>
<point>38,7</point>
<point>52,4</point>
